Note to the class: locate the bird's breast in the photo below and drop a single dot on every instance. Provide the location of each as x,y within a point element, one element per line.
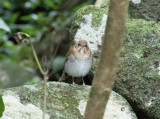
<point>77,67</point>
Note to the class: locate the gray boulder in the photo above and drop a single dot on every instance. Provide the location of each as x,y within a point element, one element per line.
<point>138,73</point>
<point>64,101</point>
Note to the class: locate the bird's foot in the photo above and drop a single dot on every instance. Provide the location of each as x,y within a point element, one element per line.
<point>84,84</point>
<point>73,83</point>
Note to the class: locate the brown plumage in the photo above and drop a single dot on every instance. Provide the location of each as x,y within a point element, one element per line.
<point>78,60</point>
<point>74,50</point>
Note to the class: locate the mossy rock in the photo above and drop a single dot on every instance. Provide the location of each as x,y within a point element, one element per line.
<point>146,9</point>
<point>78,18</point>
<point>138,75</point>
<point>64,101</point>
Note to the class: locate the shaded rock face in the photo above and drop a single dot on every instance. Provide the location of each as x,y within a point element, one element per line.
<point>64,101</point>
<point>142,9</point>
<point>138,72</point>
<point>145,9</point>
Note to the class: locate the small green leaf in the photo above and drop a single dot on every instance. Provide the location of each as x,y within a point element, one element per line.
<point>58,63</point>
<point>7,4</point>
<point>4,26</point>
<point>2,107</point>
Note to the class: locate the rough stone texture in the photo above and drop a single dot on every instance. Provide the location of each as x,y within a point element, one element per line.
<point>82,18</point>
<point>146,9</point>
<point>139,68</point>
<point>64,101</point>
<point>138,75</point>
<point>141,9</point>
<point>5,117</point>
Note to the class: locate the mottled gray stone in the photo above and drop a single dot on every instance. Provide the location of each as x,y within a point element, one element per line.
<point>64,101</point>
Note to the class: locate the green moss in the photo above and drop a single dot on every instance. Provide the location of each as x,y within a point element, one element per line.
<point>147,9</point>
<point>105,4</point>
<point>78,17</point>
<point>62,99</point>
<point>137,74</point>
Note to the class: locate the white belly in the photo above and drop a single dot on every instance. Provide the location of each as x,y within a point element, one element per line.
<point>77,68</point>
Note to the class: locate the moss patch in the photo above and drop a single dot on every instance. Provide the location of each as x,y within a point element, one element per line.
<point>63,100</point>
<point>138,76</point>
<point>147,9</point>
<point>78,18</point>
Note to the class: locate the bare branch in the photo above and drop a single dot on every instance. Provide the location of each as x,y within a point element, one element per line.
<point>105,75</point>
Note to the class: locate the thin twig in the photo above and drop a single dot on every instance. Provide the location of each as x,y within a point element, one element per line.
<point>44,72</point>
<point>36,58</point>
<point>45,96</point>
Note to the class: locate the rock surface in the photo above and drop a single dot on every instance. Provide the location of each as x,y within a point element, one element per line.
<point>139,67</point>
<point>64,101</point>
<point>138,74</point>
<point>141,9</point>
<point>145,9</point>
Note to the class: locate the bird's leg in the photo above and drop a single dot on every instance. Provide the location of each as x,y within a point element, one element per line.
<point>73,81</point>
<point>62,78</point>
<point>83,82</point>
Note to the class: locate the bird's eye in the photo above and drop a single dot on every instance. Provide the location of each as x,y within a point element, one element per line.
<point>85,45</point>
<point>79,44</point>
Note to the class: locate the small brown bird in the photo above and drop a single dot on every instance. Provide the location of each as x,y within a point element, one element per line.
<point>78,60</point>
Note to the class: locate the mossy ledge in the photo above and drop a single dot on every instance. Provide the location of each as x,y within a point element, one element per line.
<point>64,101</point>
<point>146,9</point>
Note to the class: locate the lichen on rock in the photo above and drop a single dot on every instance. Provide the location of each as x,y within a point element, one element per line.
<point>138,70</point>
<point>89,24</point>
<point>15,109</point>
<point>64,101</point>
<point>145,9</point>
<point>93,35</point>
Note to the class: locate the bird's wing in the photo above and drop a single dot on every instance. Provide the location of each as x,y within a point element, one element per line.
<point>69,53</point>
